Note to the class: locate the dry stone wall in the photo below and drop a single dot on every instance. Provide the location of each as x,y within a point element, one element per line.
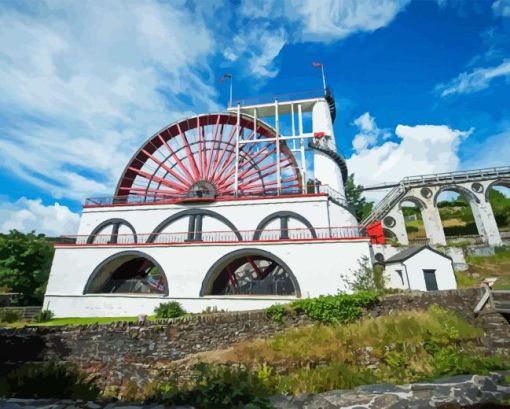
<point>117,353</point>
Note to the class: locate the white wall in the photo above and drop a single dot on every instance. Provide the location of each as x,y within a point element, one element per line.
<point>317,266</point>
<point>244,214</point>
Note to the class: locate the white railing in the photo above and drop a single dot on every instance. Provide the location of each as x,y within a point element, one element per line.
<point>301,234</point>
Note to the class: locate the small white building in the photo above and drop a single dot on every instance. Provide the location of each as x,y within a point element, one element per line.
<point>420,268</point>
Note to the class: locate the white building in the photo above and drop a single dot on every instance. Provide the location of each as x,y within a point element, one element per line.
<point>215,211</point>
<point>420,268</point>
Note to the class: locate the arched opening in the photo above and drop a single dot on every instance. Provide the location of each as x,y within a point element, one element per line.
<point>284,225</point>
<point>195,225</point>
<point>412,209</point>
<point>129,272</point>
<point>498,195</point>
<point>457,206</point>
<point>113,231</point>
<point>250,272</point>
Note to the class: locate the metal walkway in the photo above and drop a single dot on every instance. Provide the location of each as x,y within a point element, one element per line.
<point>399,191</point>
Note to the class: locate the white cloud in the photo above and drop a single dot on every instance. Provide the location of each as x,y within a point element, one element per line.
<point>258,47</point>
<point>501,8</point>
<point>83,84</point>
<point>331,20</point>
<point>26,215</point>
<point>297,21</point>
<point>476,80</point>
<point>368,134</point>
<point>422,149</point>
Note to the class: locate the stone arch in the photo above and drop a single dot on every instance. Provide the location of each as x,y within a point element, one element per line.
<point>470,227</point>
<point>502,182</point>
<point>116,223</point>
<point>192,213</point>
<point>420,204</point>
<point>283,215</point>
<point>111,265</point>
<point>218,268</point>
<point>461,190</point>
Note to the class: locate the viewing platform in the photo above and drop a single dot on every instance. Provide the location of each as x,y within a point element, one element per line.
<point>205,196</point>
<point>211,237</point>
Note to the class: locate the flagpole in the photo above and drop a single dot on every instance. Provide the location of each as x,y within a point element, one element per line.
<point>323,78</point>
<point>230,100</point>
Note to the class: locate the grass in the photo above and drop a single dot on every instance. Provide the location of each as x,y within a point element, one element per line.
<point>398,348</point>
<point>76,321</point>
<point>497,266</point>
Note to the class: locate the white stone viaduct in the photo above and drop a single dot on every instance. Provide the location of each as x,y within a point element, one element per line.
<point>423,191</point>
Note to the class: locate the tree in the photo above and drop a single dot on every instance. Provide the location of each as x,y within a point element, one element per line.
<point>355,198</point>
<point>25,262</point>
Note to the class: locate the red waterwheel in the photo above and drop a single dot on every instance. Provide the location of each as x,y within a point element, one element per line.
<point>196,157</point>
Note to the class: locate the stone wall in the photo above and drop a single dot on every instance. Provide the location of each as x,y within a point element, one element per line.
<point>122,352</point>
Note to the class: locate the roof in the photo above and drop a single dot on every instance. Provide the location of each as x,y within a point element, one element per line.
<point>409,252</point>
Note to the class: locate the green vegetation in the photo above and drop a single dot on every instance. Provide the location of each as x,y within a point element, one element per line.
<point>87,320</point>
<point>401,348</point>
<point>341,308</point>
<point>366,278</point>
<point>276,312</point>
<point>9,316</point>
<point>46,380</point>
<point>43,316</point>
<point>25,261</point>
<point>171,309</point>
<point>219,388</point>
<point>497,265</point>
<point>355,199</point>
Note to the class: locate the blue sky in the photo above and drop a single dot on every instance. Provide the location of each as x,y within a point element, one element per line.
<point>421,86</point>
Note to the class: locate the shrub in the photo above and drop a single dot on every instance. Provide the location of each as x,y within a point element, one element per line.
<point>276,312</point>
<point>365,278</point>
<point>43,316</point>
<point>342,308</point>
<point>7,315</point>
<point>219,388</point>
<point>171,309</point>
<point>47,380</point>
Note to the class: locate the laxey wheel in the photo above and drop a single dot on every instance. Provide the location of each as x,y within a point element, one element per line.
<point>196,157</point>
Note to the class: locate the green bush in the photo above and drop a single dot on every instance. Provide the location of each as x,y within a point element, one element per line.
<point>46,380</point>
<point>219,388</point>
<point>276,312</point>
<point>449,361</point>
<point>7,315</point>
<point>341,308</point>
<point>43,316</point>
<point>171,309</point>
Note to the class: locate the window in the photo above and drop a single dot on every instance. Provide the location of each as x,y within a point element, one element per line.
<point>430,280</point>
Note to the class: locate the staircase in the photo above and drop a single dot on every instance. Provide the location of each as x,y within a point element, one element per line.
<point>339,160</point>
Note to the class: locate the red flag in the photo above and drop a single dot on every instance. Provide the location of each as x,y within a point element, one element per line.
<point>225,76</point>
<point>316,64</point>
